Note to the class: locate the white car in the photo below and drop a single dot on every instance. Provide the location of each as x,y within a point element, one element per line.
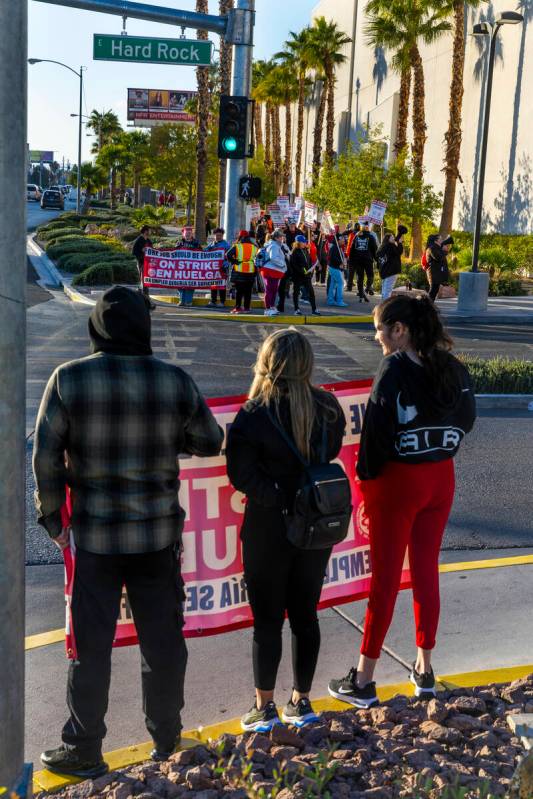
<point>33,192</point>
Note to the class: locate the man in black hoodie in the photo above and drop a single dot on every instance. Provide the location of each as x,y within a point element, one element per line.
<point>111,427</point>
<point>361,257</point>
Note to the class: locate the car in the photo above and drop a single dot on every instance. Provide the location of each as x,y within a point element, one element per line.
<point>33,192</point>
<point>52,199</point>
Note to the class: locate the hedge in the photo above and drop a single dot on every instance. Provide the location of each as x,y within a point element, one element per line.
<point>75,246</point>
<point>78,262</point>
<point>500,375</point>
<point>46,235</point>
<point>107,273</point>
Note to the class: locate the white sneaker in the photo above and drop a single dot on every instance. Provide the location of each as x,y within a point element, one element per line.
<point>274,312</point>
<point>269,312</point>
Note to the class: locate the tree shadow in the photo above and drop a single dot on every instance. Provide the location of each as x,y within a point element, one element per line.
<point>515,200</point>
<point>380,70</point>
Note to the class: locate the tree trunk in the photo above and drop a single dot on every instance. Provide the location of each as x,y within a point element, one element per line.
<point>268,138</point>
<point>122,184</point>
<point>403,111</point>
<point>454,134</point>
<point>113,188</point>
<point>300,134</point>
<point>276,146</point>
<point>288,149</point>
<point>226,51</point>
<point>419,143</point>
<point>330,117</point>
<point>202,122</point>
<point>258,127</point>
<point>319,125</point>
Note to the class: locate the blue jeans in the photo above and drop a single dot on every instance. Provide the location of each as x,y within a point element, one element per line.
<point>186,295</point>
<point>336,286</point>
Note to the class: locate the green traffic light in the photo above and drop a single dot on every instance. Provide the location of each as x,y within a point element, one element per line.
<point>230,144</point>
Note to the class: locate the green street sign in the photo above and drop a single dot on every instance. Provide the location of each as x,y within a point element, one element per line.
<point>152,51</point>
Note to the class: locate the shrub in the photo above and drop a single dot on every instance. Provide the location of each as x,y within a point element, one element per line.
<point>506,286</point>
<point>500,375</point>
<point>72,239</point>
<point>125,271</point>
<point>148,215</point>
<point>78,262</point>
<point>46,235</point>
<point>77,246</point>
<point>130,235</point>
<point>98,275</point>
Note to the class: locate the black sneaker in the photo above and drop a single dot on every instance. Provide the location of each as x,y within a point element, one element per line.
<point>300,713</point>
<point>261,720</point>
<point>317,313</point>
<point>370,291</point>
<point>424,683</point>
<point>66,761</point>
<point>161,753</point>
<point>347,690</point>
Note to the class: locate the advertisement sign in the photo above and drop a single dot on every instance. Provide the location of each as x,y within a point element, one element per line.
<point>212,571</point>
<point>139,49</point>
<point>376,214</point>
<point>310,213</point>
<point>42,156</point>
<point>184,269</point>
<point>159,105</point>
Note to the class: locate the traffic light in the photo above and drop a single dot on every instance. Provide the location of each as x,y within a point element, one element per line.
<point>233,127</point>
<point>250,188</point>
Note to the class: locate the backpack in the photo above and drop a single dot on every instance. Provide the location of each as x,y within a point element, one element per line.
<point>322,508</point>
<point>425,264</point>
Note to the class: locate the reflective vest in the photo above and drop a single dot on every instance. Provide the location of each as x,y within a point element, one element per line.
<point>245,258</point>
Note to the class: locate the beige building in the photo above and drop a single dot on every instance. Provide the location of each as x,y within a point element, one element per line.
<point>367,93</point>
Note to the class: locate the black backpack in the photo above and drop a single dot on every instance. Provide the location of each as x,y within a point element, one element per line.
<point>322,508</point>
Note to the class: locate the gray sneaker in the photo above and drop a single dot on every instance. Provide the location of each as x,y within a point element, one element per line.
<point>261,720</point>
<point>300,713</point>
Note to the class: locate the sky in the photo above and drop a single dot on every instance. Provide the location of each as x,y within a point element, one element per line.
<point>66,34</point>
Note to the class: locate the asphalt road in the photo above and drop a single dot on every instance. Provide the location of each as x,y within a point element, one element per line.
<point>35,215</point>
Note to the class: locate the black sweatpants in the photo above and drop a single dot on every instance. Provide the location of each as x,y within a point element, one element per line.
<point>284,283</point>
<point>155,593</point>
<point>307,286</point>
<point>218,292</point>
<point>434,286</point>
<point>364,269</point>
<point>281,578</point>
<point>243,293</point>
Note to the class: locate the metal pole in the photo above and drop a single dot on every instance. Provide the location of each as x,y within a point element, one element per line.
<point>483,158</point>
<point>241,84</point>
<point>170,16</point>
<point>13,46</point>
<point>352,70</point>
<point>80,122</point>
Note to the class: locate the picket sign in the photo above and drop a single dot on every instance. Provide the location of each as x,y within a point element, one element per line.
<point>376,215</point>
<point>211,564</point>
<point>310,213</point>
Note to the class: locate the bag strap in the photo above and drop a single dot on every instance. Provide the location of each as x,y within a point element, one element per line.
<point>292,446</point>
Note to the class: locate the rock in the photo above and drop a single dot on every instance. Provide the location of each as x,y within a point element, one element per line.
<point>282,735</point>
<point>379,792</point>
<point>417,758</point>
<point>340,730</point>
<point>400,730</point>
<point>381,714</point>
<point>513,693</point>
<point>470,705</point>
<point>342,754</point>
<point>485,739</point>
<point>259,742</point>
<point>122,791</point>
<point>102,782</point>
<point>211,793</point>
<point>198,778</point>
<point>439,733</point>
<point>317,732</point>
<point>225,744</point>
<point>286,793</point>
<point>463,722</point>
<point>183,758</point>
<point>283,752</point>
<point>436,711</point>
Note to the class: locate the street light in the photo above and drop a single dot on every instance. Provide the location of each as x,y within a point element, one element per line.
<point>80,76</point>
<point>474,286</point>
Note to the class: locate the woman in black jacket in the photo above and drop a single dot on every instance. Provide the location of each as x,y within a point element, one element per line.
<point>281,578</point>
<point>438,272</point>
<point>389,258</point>
<point>301,271</point>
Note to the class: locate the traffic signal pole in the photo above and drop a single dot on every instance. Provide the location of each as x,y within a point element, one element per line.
<point>13,47</point>
<point>241,85</point>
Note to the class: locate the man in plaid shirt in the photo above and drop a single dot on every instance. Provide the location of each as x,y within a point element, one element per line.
<point>111,426</point>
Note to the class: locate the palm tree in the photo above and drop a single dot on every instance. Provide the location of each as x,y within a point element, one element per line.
<point>137,145</point>
<point>324,49</point>
<point>261,90</point>
<point>113,157</point>
<point>287,90</point>
<point>93,178</point>
<point>258,75</point>
<point>225,88</point>
<point>297,56</point>
<point>202,131</point>
<point>105,125</point>
<point>400,25</point>
<point>454,134</point>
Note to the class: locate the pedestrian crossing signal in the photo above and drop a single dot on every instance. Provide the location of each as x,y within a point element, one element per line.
<point>233,127</point>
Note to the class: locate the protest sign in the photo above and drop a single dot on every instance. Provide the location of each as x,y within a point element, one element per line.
<point>216,599</point>
<point>283,204</point>
<point>328,225</point>
<point>184,269</point>
<point>253,211</point>
<point>376,214</point>
<point>276,214</point>
<point>310,213</point>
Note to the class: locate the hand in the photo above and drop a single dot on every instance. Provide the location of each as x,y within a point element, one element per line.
<point>63,539</point>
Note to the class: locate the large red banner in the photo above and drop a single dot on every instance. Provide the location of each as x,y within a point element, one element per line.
<point>211,564</point>
<point>184,269</point>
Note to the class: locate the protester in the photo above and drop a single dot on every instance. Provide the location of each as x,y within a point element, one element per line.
<point>188,242</point>
<point>389,259</point>
<point>139,246</point>
<point>421,406</point>
<point>280,577</point>
<point>111,426</point>
<point>291,231</point>
<point>336,264</point>
<point>242,258</point>
<point>261,231</point>
<point>361,256</point>
<point>321,243</point>
<point>219,243</point>
<point>437,263</point>
<point>273,269</point>
<point>301,269</point>
<point>285,282</point>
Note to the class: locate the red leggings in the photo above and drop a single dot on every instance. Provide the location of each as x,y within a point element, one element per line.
<point>408,506</point>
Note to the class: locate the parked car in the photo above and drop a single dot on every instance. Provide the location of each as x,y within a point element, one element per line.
<point>53,199</point>
<point>33,192</point>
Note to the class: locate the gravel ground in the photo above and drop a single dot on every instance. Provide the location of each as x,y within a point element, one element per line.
<point>39,548</point>
<point>403,748</point>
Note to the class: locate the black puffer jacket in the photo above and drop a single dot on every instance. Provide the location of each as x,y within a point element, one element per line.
<point>389,258</point>
<point>300,264</point>
<point>437,264</point>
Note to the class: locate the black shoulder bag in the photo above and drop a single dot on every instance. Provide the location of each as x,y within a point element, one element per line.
<point>323,503</point>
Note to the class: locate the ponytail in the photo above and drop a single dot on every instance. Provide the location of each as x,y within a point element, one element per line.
<point>430,340</point>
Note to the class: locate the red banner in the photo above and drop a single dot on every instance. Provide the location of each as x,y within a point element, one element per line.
<point>211,564</point>
<point>189,269</point>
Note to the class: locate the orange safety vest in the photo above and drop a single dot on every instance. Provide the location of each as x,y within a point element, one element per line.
<point>245,258</point>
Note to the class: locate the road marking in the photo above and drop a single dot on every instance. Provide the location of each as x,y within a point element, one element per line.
<point>44,639</point>
<point>131,755</point>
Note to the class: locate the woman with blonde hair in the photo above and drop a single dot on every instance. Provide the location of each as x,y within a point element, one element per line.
<point>286,419</point>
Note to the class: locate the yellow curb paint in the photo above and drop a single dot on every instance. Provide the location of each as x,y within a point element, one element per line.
<point>469,679</point>
<point>44,639</point>
<point>197,301</point>
<point>281,319</point>
<point>75,296</point>
<point>493,563</point>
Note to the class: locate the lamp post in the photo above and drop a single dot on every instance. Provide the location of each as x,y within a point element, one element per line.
<point>474,285</point>
<point>80,76</point>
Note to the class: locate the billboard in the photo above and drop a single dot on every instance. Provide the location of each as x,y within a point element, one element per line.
<point>42,156</point>
<point>150,106</point>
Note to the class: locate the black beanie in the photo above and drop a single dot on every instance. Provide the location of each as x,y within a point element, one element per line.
<point>120,323</point>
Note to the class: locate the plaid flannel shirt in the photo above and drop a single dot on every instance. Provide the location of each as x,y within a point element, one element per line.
<point>111,427</point>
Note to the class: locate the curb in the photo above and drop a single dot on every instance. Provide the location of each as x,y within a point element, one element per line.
<point>281,319</point>
<point>76,296</point>
<point>522,402</point>
<point>131,755</point>
<point>45,268</point>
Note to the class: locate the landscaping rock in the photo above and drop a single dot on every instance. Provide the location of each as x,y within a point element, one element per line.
<point>436,711</point>
<point>282,735</point>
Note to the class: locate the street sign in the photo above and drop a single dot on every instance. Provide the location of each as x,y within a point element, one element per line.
<point>191,52</point>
